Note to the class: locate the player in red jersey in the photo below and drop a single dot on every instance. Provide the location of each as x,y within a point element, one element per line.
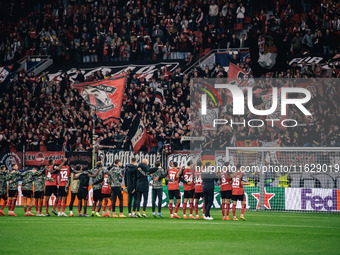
<point>238,193</point>
<point>106,194</point>
<point>173,189</point>
<point>198,189</point>
<point>226,190</point>
<point>189,189</point>
<point>51,186</point>
<point>64,175</point>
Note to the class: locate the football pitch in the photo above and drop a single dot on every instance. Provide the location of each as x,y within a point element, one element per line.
<point>262,233</point>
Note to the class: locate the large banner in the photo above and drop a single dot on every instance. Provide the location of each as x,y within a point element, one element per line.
<point>108,157</point>
<point>301,199</point>
<point>182,158</point>
<point>104,96</point>
<point>144,71</point>
<point>274,198</point>
<point>9,158</point>
<point>35,158</point>
<point>82,158</point>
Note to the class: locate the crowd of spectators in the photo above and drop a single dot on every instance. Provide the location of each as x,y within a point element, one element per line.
<point>111,30</point>
<point>40,114</point>
<point>48,115</point>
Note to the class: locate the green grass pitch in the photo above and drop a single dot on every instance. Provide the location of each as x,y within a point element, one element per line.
<point>262,233</point>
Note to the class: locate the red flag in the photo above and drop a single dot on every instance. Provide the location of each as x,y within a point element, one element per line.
<point>237,74</point>
<point>104,96</point>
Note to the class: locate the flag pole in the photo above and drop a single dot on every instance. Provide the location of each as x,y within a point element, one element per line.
<point>93,138</point>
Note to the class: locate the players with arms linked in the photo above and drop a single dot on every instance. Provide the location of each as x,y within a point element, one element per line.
<point>115,178</point>
<point>188,175</point>
<point>3,188</point>
<point>173,189</point>
<point>51,186</point>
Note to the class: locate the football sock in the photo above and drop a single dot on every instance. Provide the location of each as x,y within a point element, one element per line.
<point>104,206</point>
<point>29,208</point>
<point>191,207</point>
<point>177,206</point>
<point>228,208</point>
<point>196,208</point>
<point>98,209</point>
<point>13,204</point>
<point>184,208</point>
<point>64,206</point>
<point>170,208</point>
<point>46,207</point>
<point>9,205</point>
<point>223,209</point>
<point>234,210</point>
<point>25,209</point>
<point>37,206</point>
<point>41,206</point>
<point>56,201</point>
<point>85,209</point>
<point>59,205</point>
<point>203,208</point>
<point>243,209</point>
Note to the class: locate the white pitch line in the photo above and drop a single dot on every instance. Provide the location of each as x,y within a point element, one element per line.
<point>181,222</point>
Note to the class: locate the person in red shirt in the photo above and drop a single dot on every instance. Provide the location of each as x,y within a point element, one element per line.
<point>198,189</point>
<point>189,189</point>
<point>226,191</point>
<point>51,186</point>
<point>173,189</point>
<point>64,175</point>
<point>238,193</point>
<point>106,194</point>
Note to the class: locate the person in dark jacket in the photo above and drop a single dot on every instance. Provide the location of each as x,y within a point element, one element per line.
<point>143,186</point>
<point>208,190</point>
<point>158,173</point>
<point>130,183</point>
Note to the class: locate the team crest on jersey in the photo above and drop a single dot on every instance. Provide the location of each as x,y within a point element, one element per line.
<point>97,97</point>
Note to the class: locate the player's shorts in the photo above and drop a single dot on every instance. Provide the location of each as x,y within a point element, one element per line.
<point>12,193</point>
<point>38,194</point>
<point>174,193</point>
<point>83,193</point>
<point>198,195</point>
<point>226,194</point>
<point>27,193</point>
<point>238,197</point>
<point>106,195</point>
<point>189,193</point>
<point>49,190</point>
<point>97,195</point>
<point>62,192</point>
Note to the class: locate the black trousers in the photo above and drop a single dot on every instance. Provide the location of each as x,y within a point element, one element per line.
<point>117,192</point>
<point>208,200</point>
<point>139,198</point>
<point>157,193</point>
<point>73,197</point>
<point>134,197</point>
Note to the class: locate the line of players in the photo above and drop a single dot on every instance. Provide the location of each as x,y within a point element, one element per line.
<point>107,185</point>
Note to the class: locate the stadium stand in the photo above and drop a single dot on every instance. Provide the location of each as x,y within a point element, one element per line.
<point>43,114</point>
